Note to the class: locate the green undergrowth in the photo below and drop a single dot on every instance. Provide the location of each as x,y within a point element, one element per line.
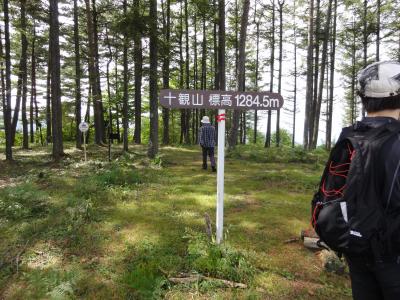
<point>283,154</point>
<point>123,229</point>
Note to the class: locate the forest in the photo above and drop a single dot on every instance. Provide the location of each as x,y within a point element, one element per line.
<point>136,220</point>
<point>104,62</point>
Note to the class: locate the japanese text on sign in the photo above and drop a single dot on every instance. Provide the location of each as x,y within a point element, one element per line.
<point>220,99</point>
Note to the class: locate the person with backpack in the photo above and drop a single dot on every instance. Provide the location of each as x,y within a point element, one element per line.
<point>207,142</point>
<point>356,211</point>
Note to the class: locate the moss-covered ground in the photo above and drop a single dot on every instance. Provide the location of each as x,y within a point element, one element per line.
<point>119,230</point>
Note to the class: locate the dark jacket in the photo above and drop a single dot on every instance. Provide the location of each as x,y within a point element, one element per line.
<point>207,136</point>
<point>388,160</point>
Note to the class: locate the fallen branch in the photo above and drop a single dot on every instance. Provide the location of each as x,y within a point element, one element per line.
<point>183,280</point>
<point>292,240</point>
<point>228,283</point>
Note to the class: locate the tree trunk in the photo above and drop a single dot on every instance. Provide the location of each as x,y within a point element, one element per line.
<point>216,44</point>
<point>322,73</point>
<point>17,101</point>
<point>278,113</point>
<point>256,80</point>
<point>378,29</point>
<point>110,117</point>
<point>138,59</point>
<point>93,77</point>
<point>195,112</point>
<point>98,105</point>
<point>78,114</point>
<point>33,89</point>
<point>125,120</point>
<point>221,45</point>
<point>295,76</point>
<point>365,40</point>
<point>24,69</point>
<point>315,75</point>
<point>332,80</point>
<point>241,80</point>
<point>7,101</point>
<point>166,72</point>
<point>186,136</point>
<point>2,78</point>
<point>153,97</point>
<point>309,80</point>
<point>203,85</point>
<point>48,99</point>
<point>181,71</point>
<point>353,78</point>
<point>271,86</point>
<point>55,82</point>
<point>117,93</point>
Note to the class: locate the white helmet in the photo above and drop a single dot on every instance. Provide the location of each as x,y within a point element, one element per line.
<point>380,80</point>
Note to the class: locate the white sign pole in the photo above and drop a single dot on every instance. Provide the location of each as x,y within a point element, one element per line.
<point>84,127</point>
<point>220,175</point>
<point>84,144</point>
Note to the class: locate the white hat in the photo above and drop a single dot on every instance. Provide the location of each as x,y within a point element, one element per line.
<point>380,80</point>
<point>205,120</point>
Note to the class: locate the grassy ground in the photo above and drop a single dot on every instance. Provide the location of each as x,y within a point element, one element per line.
<point>119,230</point>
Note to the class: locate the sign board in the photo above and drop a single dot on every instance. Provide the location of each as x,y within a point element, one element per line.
<point>83,126</point>
<point>220,100</point>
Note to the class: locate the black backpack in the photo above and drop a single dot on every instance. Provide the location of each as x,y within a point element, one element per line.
<point>347,210</point>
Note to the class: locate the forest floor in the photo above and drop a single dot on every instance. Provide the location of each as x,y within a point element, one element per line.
<point>120,230</point>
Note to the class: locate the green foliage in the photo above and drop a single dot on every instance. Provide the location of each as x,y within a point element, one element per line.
<point>220,261</point>
<point>24,201</point>
<point>285,138</point>
<point>52,284</point>
<point>117,176</point>
<point>144,276</point>
<point>284,154</point>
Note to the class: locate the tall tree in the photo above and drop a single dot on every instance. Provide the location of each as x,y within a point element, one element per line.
<point>295,74</point>
<point>256,77</point>
<point>166,66</point>
<point>322,73</point>
<point>2,82</point>
<point>24,70</point>
<point>78,114</point>
<point>271,82</point>
<point>56,112</point>
<point>221,46</point>
<point>153,142</point>
<point>33,88</point>
<point>233,137</point>
<point>332,80</point>
<point>378,29</point>
<point>94,75</point>
<point>278,115</point>
<point>48,98</point>
<point>125,117</point>
<point>186,135</point>
<point>309,81</point>
<point>138,59</point>
<point>7,104</point>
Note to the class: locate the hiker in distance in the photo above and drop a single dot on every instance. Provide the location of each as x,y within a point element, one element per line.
<point>356,211</point>
<point>207,142</point>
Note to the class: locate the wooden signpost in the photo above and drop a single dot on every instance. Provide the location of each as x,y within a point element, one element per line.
<point>220,100</point>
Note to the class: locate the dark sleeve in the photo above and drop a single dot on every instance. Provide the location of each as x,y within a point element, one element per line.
<point>201,142</point>
<point>214,134</point>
